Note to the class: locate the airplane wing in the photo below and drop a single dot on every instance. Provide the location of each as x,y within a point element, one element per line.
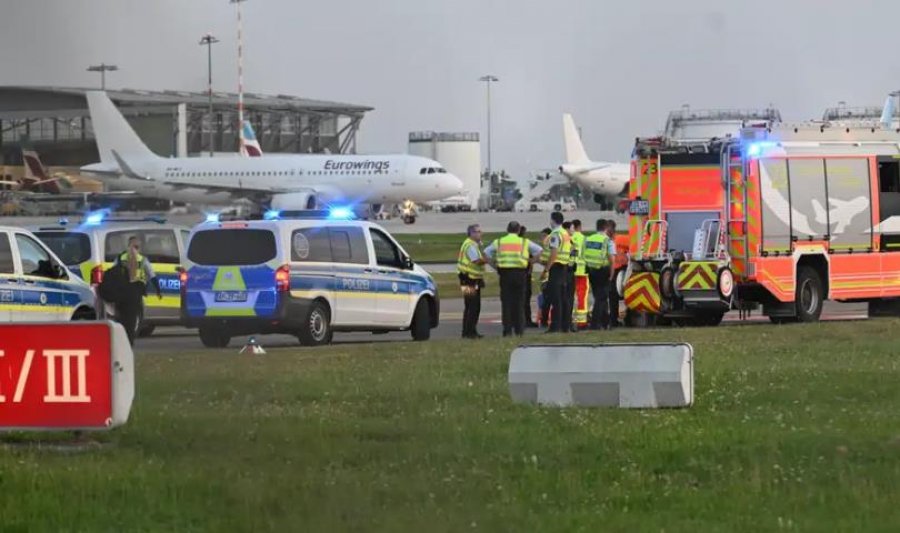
<point>102,169</point>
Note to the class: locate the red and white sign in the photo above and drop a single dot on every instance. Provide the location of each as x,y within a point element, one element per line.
<point>65,376</point>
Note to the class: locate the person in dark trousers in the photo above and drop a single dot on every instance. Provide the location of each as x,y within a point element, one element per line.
<point>470,268</point>
<point>596,259</point>
<point>559,247</point>
<point>544,300</point>
<point>613,291</point>
<point>511,255</point>
<point>140,274</point>
<point>569,295</point>
<point>529,318</point>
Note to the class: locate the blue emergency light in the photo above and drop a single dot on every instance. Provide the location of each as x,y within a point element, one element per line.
<point>340,213</point>
<point>272,214</point>
<point>212,217</point>
<point>95,218</point>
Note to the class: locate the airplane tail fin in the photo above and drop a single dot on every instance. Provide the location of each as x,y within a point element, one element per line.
<point>575,153</point>
<point>249,145</point>
<point>34,169</point>
<point>887,113</point>
<point>113,132</point>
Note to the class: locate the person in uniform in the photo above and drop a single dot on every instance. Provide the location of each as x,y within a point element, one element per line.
<point>557,263</point>
<point>470,267</point>
<point>596,259</point>
<point>580,277</point>
<point>529,318</point>
<point>140,274</point>
<point>569,295</point>
<point>613,291</point>
<point>543,299</point>
<point>511,255</point>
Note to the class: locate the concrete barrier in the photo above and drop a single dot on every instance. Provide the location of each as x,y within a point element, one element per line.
<point>608,375</point>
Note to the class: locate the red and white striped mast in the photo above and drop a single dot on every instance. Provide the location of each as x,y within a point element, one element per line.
<point>240,41</point>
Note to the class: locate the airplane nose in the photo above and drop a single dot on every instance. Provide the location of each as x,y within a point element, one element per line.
<point>454,184</point>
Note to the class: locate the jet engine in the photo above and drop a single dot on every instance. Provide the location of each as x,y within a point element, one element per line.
<point>294,201</point>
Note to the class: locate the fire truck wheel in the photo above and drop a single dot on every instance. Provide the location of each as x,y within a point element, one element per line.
<point>620,282</point>
<point>810,296</point>
<point>725,283</point>
<point>667,282</point>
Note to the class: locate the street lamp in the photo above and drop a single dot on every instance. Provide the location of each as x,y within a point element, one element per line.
<point>208,40</point>
<point>102,68</point>
<point>488,79</point>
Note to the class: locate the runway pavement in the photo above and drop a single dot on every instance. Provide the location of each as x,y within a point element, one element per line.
<point>173,340</point>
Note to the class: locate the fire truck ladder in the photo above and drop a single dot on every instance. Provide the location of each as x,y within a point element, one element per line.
<point>736,199</point>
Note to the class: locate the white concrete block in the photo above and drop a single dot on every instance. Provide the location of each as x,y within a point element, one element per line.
<point>609,375</point>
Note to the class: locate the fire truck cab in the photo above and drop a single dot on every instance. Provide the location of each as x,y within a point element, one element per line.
<point>782,216</point>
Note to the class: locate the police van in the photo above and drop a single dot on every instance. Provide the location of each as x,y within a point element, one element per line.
<point>92,246</point>
<point>308,275</point>
<point>35,285</point>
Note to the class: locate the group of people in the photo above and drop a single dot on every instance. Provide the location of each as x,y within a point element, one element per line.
<point>572,262</point>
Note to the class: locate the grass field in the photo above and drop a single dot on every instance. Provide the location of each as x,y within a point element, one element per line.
<point>794,428</point>
<point>442,247</point>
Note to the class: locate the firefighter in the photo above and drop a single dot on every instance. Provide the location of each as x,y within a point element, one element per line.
<point>580,278</point>
<point>470,267</point>
<point>596,258</point>
<point>613,291</point>
<point>140,274</point>
<point>543,299</point>
<point>529,318</point>
<point>557,263</point>
<point>511,255</point>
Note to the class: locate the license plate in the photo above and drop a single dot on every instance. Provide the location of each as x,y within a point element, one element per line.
<point>639,207</point>
<point>231,296</point>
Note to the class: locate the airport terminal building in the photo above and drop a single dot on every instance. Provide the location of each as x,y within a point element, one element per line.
<point>55,122</point>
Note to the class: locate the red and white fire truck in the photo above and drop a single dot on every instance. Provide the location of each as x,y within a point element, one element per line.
<point>782,216</point>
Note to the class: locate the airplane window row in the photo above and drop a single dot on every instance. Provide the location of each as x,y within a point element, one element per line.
<point>343,172</point>
<point>432,170</point>
<point>235,174</point>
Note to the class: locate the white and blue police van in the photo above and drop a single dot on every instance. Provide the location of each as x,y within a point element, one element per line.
<point>308,273</point>
<point>35,285</point>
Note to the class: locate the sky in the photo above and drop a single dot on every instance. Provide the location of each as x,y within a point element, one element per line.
<point>618,66</point>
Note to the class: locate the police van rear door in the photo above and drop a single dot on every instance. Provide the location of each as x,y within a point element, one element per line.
<point>232,273</point>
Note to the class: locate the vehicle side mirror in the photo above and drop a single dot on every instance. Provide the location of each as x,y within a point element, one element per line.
<point>59,272</point>
<point>407,262</point>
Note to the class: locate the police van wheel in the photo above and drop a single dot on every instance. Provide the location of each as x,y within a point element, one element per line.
<point>316,329</point>
<point>213,337</point>
<point>421,322</point>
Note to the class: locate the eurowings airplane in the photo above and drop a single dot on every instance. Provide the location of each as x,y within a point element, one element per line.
<point>249,146</point>
<point>604,180</point>
<point>288,182</point>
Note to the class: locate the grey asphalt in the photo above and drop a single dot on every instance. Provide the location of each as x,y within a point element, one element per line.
<point>173,340</point>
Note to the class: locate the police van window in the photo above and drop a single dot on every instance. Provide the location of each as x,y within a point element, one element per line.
<point>348,245</point>
<point>35,260</point>
<point>184,237</point>
<point>6,260</point>
<point>232,247</point>
<point>72,247</point>
<point>311,245</point>
<point>158,246</point>
<point>386,254</point>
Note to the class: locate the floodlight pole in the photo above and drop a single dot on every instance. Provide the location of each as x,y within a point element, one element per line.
<point>488,79</point>
<point>102,68</point>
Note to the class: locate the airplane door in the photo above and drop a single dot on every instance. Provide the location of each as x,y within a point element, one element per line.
<point>8,281</point>
<point>392,285</point>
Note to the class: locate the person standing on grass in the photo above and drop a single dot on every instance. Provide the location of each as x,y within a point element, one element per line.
<point>140,274</point>
<point>511,255</point>
<point>543,298</point>
<point>557,264</point>
<point>613,290</point>
<point>596,259</point>
<point>470,267</point>
<point>529,318</point>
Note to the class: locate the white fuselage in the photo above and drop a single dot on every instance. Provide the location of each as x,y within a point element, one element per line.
<point>609,180</point>
<point>334,178</point>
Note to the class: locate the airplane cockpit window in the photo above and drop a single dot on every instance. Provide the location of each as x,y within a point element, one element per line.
<point>431,170</point>
<point>423,170</point>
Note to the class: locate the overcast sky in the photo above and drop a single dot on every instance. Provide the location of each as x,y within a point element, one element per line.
<point>618,66</point>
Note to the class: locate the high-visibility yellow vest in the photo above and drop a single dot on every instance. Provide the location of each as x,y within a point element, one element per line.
<point>464,265</point>
<point>596,250</point>
<point>511,251</point>
<point>565,246</point>
<point>578,248</point>
<point>141,274</point>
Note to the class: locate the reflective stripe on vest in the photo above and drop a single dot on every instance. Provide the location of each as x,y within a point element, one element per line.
<point>464,265</point>
<point>565,246</point>
<point>511,251</point>
<point>596,250</point>
<point>141,273</point>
